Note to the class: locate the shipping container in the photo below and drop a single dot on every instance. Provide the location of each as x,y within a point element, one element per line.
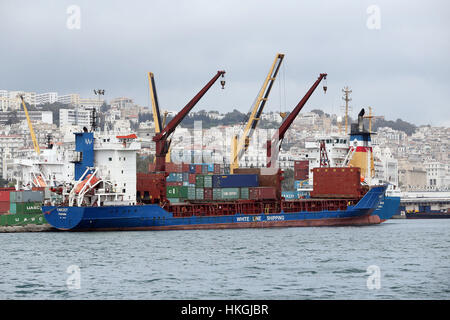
<point>4,207</point>
<point>173,191</point>
<point>185,167</point>
<point>301,164</point>
<point>230,193</point>
<point>174,167</point>
<point>26,196</point>
<point>337,183</point>
<point>192,168</point>
<point>25,207</point>
<point>174,200</point>
<point>301,174</point>
<point>217,168</point>
<point>192,178</point>
<point>198,169</point>
<point>185,176</point>
<point>204,169</point>
<point>207,181</point>
<point>174,183</point>
<point>235,180</point>
<point>4,195</point>
<point>208,193</point>
<point>262,193</point>
<point>290,195</point>
<point>151,167</point>
<point>244,193</point>
<point>210,167</point>
<point>174,177</point>
<point>191,193</point>
<point>199,193</point>
<point>217,194</point>
<point>199,181</point>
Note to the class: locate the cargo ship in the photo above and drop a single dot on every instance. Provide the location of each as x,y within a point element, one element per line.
<point>105,197</point>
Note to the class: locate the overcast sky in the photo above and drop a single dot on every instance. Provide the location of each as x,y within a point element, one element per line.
<point>401,69</point>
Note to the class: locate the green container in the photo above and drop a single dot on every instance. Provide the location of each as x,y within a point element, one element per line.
<point>244,194</point>
<point>199,181</point>
<point>217,194</point>
<point>199,194</point>
<point>12,208</point>
<point>173,191</point>
<point>191,193</point>
<point>183,192</point>
<point>230,193</point>
<point>207,181</point>
<point>22,219</point>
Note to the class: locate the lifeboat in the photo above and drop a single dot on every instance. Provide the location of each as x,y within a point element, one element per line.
<point>90,183</point>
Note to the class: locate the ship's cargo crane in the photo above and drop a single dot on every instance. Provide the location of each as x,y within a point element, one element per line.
<point>155,110</point>
<point>30,126</point>
<point>278,137</point>
<point>162,140</point>
<point>240,147</point>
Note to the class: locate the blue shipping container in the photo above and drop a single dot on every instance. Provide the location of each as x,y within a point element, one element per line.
<point>289,195</point>
<point>174,177</point>
<point>192,168</point>
<point>211,167</point>
<point>235,180</point>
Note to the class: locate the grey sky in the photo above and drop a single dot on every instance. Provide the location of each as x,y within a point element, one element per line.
<point>401,70</point>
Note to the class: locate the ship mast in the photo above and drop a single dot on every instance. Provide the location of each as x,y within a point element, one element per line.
<point>347,99</point>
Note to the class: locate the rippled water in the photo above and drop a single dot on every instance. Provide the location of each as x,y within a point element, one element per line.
<point>283,263</point>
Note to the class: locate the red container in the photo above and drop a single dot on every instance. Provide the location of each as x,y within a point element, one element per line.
<point>4,207</point>
<point>150,185</point>
<point>185,167</point>
<point>192,178</point>
<point>174,184</point>
<point>207,193</point>
<point>217,168</point>
<point>301,174</point>
<point>262,193</point>
<point>151,167</point>
<point>174,167</point>
<point>301,164</point>
<point>4,195</point>
<point>337,183</point>
<point>198,168</point>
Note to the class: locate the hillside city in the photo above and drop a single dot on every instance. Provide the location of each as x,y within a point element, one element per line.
<point>412,158</point>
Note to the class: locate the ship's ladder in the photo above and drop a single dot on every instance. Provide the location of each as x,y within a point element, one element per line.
<point>349,156</point>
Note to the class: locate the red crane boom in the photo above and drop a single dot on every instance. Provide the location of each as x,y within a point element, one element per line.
<point>279,134</point>
<point>161,139</point>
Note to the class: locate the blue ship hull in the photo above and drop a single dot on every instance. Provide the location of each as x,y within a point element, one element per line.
<point>153,217</point>
<point>387,208</point>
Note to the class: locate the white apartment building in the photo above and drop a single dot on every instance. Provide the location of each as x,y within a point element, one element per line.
<point>48,97</point>
<point>77,116</point>
<point>43,116</point>
<point>10,99</point>
<point>70,99</point>
<point>121,103</point>
<point>436,174</point>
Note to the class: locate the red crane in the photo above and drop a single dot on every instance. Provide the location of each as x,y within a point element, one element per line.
<point>161,139</point>
<point>324,161</point>
<point>280,133</point>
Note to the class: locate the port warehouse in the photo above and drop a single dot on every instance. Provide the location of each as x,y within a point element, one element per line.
<point>425,202</point>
